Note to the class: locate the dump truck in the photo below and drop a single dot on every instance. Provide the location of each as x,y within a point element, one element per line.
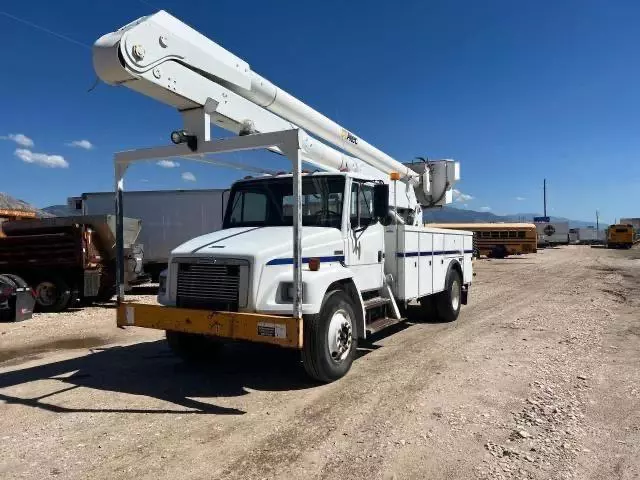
<point>68,259</point>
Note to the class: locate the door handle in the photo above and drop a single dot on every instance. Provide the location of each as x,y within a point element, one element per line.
<point>380,256</point>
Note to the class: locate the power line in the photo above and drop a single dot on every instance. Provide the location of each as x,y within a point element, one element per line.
<point>46,30</point>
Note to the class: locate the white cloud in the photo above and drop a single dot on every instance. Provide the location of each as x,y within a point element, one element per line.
<point>42,159</point>
<point>168,164</point>
<point>485,209</point>
<point>188,177</point>
<point>20,139</point>
<point>86,144</point>
<point>520,199</point>
<point>458,196</point>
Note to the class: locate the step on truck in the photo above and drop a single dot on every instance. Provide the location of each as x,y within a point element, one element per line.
<point>315,261</point>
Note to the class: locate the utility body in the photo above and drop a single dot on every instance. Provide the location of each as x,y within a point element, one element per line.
<point>314,261</point>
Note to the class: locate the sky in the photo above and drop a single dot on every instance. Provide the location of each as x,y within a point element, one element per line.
<point>515,91</point>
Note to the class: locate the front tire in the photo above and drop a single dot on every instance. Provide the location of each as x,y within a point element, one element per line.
<point>448,302</point>
<point>330,341</point>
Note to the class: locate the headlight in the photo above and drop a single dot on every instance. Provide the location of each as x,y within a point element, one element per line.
<point>162,289</point>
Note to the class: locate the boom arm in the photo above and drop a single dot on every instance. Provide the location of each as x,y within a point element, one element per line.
<point>161,57</point>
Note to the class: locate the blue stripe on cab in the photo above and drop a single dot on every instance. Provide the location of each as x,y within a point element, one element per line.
<point>289,261</point>
<point>428,254</point>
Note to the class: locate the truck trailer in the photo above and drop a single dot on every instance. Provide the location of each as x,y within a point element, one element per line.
<point>315,261</point>
<point>552,233</point>
<point>169,218</point>
<point>588,236</point>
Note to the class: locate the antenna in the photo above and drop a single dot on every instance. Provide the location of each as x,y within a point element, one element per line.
<point>544,194</point>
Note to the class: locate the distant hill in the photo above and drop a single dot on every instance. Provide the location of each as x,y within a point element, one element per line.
<point>7,202</point>
<point>459,215</point>
<point>438,215</point>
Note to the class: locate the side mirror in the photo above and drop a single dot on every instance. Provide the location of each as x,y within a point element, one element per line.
<point>380,200</point>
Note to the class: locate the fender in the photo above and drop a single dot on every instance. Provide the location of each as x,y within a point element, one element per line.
<point>314,286</point>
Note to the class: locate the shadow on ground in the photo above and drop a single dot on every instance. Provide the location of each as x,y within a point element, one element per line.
<point>150,369</point>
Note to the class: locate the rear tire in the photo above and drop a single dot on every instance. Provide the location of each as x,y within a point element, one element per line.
<point>330,341</point>
<point>448,302</point>
<point>193,347</point>
<point>52,294</point>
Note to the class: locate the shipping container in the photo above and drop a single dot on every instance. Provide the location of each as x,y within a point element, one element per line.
<point>553,233</point>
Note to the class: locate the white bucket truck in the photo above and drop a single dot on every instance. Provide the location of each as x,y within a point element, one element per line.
<point>312,261</point>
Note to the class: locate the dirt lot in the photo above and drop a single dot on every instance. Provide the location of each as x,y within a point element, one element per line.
<point>539,378</point>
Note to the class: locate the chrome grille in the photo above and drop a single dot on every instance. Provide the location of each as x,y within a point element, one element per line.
<point>209,286</point>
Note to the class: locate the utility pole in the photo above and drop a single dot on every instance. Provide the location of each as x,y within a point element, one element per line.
<point>544,193</point>
<point>597,223</point>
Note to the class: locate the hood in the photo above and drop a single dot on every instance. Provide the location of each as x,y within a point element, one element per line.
<point>265,243</point>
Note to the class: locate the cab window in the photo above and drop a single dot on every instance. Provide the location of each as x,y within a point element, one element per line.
<point>361,205</point>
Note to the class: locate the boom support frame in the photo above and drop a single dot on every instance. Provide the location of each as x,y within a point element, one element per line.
<point>289,142</point>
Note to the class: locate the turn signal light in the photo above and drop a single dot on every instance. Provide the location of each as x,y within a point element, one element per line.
<point>394,176</point>
<point>314,264</point>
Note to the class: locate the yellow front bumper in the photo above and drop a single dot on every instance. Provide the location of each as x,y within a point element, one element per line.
<point>253,327</point>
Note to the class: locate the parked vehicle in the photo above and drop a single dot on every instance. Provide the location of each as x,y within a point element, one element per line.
<point>66,259</point>
<point>16,299</point>
<point>620,236</point>
<point>498,240</point>
<point>169,218</point>
<point>313,261</point>
<point>553,233</point>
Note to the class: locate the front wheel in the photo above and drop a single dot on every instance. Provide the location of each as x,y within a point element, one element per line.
<point>448,302</point>
<point>329,338</point>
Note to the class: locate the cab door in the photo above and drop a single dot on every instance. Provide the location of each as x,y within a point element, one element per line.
<point>365,239</point>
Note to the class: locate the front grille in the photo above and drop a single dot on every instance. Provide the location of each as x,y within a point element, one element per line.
<point>208,286</point>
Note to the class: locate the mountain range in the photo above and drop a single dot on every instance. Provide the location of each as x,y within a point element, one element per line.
<point>438,215</point>
<point>460,215</point>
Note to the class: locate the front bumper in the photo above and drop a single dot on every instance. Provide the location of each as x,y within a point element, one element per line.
<point>252,327</point>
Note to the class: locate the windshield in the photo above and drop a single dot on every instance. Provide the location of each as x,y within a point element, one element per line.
<point>270,202</point>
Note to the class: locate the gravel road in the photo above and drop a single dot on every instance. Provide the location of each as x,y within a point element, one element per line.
<point>538,379</point>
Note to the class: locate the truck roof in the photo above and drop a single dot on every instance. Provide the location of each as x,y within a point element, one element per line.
<point>356,175</point>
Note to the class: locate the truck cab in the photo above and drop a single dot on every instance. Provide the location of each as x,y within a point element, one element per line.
<point>249,261</point>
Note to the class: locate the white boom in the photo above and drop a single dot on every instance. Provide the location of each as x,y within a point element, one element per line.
<point>161,57</point>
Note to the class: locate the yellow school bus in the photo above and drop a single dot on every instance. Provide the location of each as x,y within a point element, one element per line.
<point>620,236</point>
<point>498,240</point>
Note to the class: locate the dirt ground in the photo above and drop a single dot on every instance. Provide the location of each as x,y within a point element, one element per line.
<point>538,379</point>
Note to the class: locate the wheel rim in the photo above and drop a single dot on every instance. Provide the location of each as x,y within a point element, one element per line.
<point>340,335</point>
<point>455,295</point>
<point>46,294</point>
